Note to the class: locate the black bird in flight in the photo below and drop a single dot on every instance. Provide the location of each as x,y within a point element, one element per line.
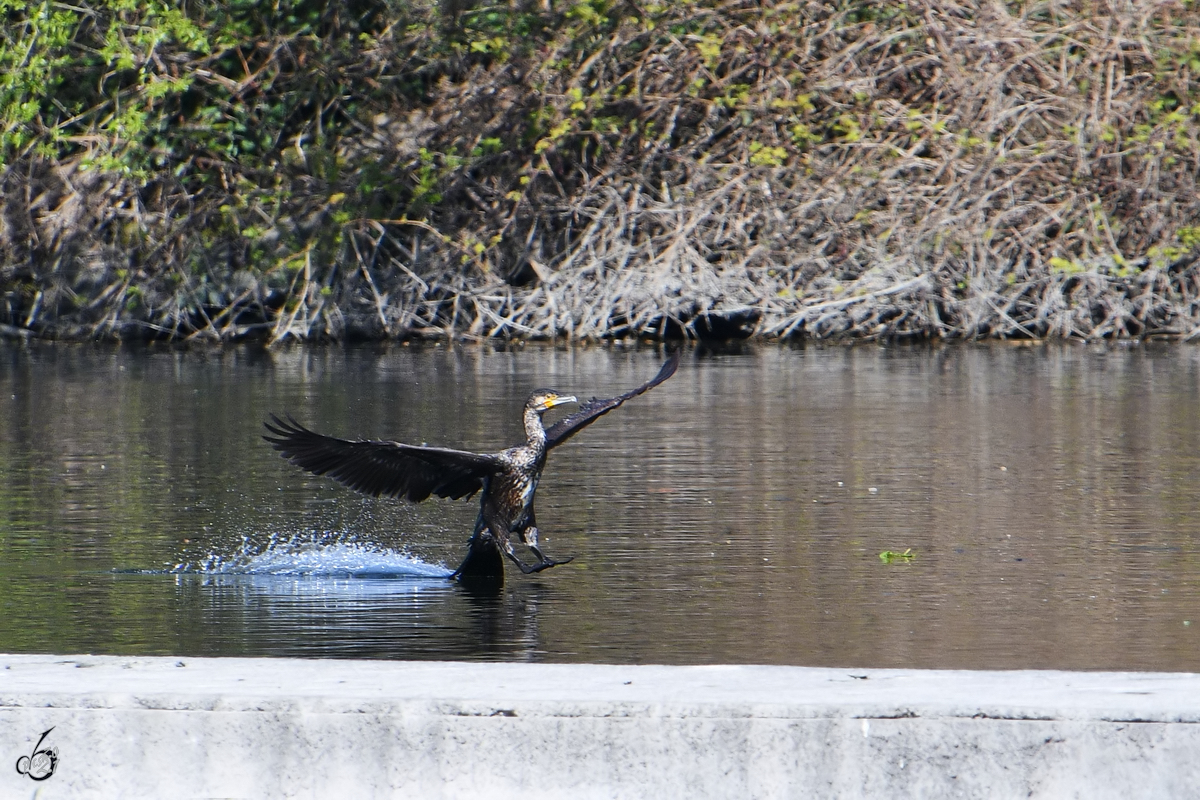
<point>508,478</point>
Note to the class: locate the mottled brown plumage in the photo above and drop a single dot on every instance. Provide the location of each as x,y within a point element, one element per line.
<point>508,479</point>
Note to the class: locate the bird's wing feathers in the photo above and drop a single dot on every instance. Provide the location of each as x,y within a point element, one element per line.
<point>595,408</point>
<point>393,469</point>
<point>381,469</point>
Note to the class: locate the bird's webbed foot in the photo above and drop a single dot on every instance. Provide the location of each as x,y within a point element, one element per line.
<point>543,562</point>
<point>546,563</point>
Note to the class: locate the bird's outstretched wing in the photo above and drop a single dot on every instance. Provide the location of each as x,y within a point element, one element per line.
<point>381,469</point>
<point>595,408</point>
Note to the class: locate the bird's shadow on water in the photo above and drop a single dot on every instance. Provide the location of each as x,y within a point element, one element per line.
<point>349,600</point>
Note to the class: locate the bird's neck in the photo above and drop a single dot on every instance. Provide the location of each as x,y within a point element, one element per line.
<point>534,432</point>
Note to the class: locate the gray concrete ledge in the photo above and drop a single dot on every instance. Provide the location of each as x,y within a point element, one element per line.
<point>264,728</point>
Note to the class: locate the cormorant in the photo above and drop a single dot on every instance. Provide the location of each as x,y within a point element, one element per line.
<point>508,478</point>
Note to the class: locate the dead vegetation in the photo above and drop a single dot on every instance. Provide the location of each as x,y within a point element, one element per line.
<point>862,170</point>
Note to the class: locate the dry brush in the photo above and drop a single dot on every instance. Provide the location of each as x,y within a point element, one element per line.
<point>867,170</point>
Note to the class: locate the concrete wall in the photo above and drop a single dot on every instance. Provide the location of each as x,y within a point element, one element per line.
<point>262,728</point>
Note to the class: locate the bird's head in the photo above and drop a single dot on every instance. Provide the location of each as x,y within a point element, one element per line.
<point>544,399</point>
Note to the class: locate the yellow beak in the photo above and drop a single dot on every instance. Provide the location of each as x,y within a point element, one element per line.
<point>558,400</point>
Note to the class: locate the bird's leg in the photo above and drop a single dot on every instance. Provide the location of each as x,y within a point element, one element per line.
<point>508,551</point>
<point>544,562</point>
<point>530,537</point>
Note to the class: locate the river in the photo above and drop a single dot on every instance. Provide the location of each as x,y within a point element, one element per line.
<point>1041,503</point>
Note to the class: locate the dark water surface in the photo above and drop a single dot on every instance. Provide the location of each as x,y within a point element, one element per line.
<point>1050,497</point>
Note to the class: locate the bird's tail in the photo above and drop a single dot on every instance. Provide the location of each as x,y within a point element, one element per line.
<point>484,561</point>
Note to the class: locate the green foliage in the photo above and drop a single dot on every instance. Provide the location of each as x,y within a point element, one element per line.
<point>848,128</point>
<point>1189,237</point>
<point>710,50</point>
<point>1065,266</point>
<point>766,156</point>
<point>134,87</point>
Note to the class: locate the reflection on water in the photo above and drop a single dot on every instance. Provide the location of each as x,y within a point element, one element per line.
<point>735,514</point>
<point>306,616</point>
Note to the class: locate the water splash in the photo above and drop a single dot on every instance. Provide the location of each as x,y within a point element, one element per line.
<point>308,555</point>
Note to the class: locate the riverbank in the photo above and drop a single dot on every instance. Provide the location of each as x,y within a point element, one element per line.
<point>184,727</point>
<point>584,170</point>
